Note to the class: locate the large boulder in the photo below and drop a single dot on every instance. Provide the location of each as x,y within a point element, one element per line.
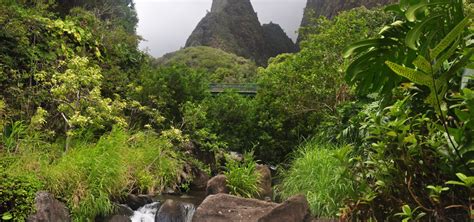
<point>174,211</point>
<point>265,182</point>
<point>295,209</point>
<point>122,213</point>
<point>217,184</point>
<point>226,208</point>
<point>200,179</point>
<point>48,209</point>
<point>170,211</point>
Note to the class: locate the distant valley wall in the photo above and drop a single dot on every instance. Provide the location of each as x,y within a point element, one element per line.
<point>330,8</point>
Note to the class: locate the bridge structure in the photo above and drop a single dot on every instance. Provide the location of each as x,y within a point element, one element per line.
<point>248,89</point>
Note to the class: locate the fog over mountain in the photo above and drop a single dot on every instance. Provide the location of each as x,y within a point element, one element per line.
<point>166,24</point>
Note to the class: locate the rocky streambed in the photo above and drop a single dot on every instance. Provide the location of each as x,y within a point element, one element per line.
<point>212,205</point>
<point>169,208</point>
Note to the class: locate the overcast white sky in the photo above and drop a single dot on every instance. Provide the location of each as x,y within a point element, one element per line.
<point>166,24</point>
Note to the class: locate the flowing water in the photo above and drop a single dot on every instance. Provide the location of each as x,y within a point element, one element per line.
<point>146,213</point>
<point>188,202</point>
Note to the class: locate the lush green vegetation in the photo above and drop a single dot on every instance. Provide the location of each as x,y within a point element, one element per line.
<point>372,119</point>
<point>90,175</point>
<point>17,195</point>
<point>410,127</point>
<point>421,138</point>
<point>321,172</point>
<point>220,66</point>
<point>299,91</point>
<point>242,177</point>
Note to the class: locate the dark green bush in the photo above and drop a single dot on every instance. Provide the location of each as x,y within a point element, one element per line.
<point>17,196</point>
<point>233,118</point>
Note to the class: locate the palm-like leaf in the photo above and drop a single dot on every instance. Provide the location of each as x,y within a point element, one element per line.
<point>411,42</point>
<point>414,35</point>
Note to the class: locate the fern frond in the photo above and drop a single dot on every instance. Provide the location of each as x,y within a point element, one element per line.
<point>450,37</point>
<point>439,62</point>
<point>422,64</point>
<point>411,74</point>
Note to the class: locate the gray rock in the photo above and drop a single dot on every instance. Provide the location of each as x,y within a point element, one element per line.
<point>135,202</point>
<point>265,182</point>
<point>226,208</point>
<point>48,209</point>
<point>217,184</point>
<point>171,211</point>
<point>200,179</point>
<point>295,209</point>
<point>118,218</point>
<point>122,213</point>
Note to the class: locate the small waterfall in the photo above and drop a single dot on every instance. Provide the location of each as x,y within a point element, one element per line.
<point>146,213</point>
<point>188,211</point>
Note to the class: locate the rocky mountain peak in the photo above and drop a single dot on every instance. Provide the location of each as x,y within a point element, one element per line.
<point>233,26</point>
<point>223,5</point>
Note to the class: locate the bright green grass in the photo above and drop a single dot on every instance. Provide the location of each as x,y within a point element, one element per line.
<point>242,177</point>
<point>89,175</point>
<point>320,173</point>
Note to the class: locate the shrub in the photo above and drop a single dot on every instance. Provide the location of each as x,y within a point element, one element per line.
<point>153,163</point>
<point>320,172</point>
<point>17,195</point>
<point>233,118</point>
<point>242,178</point>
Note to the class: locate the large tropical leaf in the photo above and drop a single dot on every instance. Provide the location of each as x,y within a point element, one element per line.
<point>413,36</point>
<point>412,11</point>
<point>366,44</point>
<point>450,37</point>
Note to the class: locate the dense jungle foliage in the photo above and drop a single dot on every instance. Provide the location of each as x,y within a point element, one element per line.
<point>373,119</point>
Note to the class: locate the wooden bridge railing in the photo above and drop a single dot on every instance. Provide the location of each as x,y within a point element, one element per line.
<point>243,88</point>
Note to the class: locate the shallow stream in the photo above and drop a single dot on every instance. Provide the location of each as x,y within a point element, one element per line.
<point>189,202</point>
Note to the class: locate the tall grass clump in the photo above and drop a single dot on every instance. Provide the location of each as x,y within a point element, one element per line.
<point>320,172</point>
<point>88,177</point>
<point>242,177</point>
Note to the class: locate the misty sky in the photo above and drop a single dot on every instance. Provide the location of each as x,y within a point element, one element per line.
<point>166,24</point>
